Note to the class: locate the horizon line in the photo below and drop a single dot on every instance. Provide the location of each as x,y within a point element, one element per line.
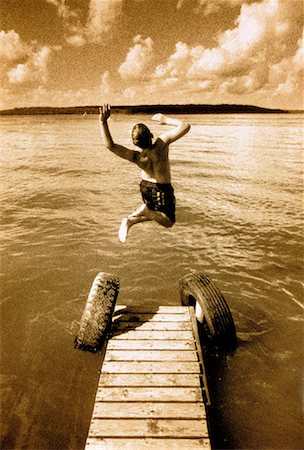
<point>154,105</point>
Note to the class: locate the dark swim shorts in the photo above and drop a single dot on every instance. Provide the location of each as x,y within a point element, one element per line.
<point>159,197</point>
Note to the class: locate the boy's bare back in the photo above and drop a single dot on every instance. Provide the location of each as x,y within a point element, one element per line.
<point>155,163</point>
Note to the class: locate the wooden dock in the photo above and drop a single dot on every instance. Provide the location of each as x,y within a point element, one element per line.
<point>152,384</point>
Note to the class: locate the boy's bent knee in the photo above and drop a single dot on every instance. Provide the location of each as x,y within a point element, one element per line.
<point>166,222</point>
<point>169,224</point>
<point>162,219</point>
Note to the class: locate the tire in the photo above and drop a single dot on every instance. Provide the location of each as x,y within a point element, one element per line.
<point>212,311</point>
<point>97,316</point>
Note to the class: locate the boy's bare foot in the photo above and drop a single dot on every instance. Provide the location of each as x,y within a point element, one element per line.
<point>123,230</point>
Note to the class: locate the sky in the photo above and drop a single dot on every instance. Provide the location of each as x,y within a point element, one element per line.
<point>129,52</point>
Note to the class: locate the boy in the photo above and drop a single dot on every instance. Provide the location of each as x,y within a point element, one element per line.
<point>153,160</point>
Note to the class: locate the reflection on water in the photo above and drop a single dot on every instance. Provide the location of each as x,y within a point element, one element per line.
<point>238,184</point>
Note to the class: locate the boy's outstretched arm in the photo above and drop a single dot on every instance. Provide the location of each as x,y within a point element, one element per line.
<point>104,114</point>
<point>181,128</point>
<point>119,150</point>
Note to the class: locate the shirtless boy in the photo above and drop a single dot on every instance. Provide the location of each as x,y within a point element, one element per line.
<point>153,160</point>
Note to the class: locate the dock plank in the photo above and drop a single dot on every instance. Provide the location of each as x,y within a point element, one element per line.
<point>146,394</point>
<point>149,379</point>
<point>137,344</point>
<point>149,428</point>
<point>148,309</point>
<point>150,355</point>
<point>158,317</point>
<point>148,444</point>
<point>152,335</point>
<point>149,410</point>
<point>150,367</point>
<point>152,326</point>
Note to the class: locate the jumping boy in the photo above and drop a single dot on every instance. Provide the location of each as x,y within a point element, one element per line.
<point>153,159</point>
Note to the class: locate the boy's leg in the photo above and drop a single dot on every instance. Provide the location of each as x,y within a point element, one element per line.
<point>139,215</point>
<point>142,214</point>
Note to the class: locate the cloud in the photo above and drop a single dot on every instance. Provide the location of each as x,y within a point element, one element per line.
<point>76,40</point>
<point>34,69</point>
<point>102,14</point>
<point>179,4</point>
<point>23,63</point>
<point>287,75</point>
<point>209,7</point>
<point>138,59</point>
<point>64,10</point>
<point>259,59</point>
<point>131,93</point>
<point>215,6</point>
<point>263,48</point>
<point>11,47</point>
<point>176,62</point>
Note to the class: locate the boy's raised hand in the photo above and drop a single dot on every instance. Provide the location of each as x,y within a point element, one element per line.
<point>104,112</point>
<point>159,117</point>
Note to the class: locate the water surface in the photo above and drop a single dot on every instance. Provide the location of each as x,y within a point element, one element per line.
<point>238,182</point>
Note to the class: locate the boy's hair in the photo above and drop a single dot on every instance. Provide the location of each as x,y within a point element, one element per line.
<point>142,136</point>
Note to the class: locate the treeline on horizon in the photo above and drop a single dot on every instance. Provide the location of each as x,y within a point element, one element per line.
<point>145,109</point>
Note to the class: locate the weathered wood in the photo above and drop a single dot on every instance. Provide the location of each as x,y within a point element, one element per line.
<point>150,355</point>
<point>153,326</point>
<point>147,394</point>
<point>158,317</point>
<point>148,444</point>
<point>149,428</point>
<point>148,410</point>
<point>151,345</point>
<point>148,309</point>
<point>149,379</point>
<point>150,367</point>
<point>152,335</point>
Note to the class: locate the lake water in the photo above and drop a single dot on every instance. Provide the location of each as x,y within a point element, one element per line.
<point>238,182</point>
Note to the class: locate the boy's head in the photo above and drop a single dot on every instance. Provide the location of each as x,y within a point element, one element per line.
<point>142,136</point>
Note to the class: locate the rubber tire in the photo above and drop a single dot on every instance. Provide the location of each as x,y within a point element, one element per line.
<point>212,311</point>
<point>97,316</point>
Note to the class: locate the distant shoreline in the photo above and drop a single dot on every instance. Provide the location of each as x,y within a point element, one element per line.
<point>149,109</point>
